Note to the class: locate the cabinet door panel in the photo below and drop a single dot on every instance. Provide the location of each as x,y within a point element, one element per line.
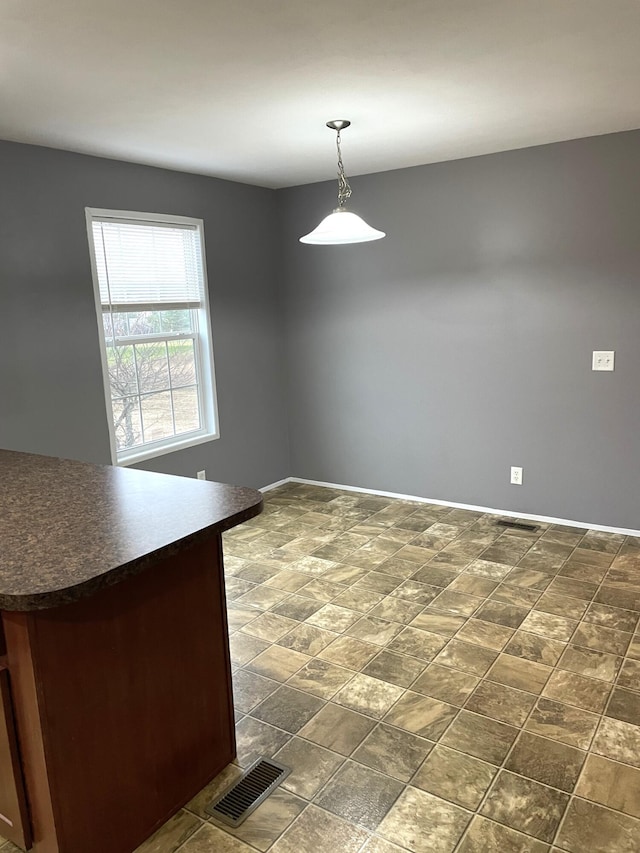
<point>14,822</point>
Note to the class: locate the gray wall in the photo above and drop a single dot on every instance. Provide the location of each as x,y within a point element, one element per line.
<point>430,362</point>
<point>51,391</point>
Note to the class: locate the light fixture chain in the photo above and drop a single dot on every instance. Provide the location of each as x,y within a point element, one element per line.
<point>344,188</point>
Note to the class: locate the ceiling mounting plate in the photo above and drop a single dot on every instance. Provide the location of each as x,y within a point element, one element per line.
<point>338,124</point>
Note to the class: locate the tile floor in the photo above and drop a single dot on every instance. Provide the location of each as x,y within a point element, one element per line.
<point>436,682</point>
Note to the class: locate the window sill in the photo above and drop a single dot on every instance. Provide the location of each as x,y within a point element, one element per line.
<point>152,453</point>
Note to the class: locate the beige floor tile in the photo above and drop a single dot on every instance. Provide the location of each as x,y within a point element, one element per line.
<point>396,610</point>
<point>501,613</point>
<point>379,845</point>
<point>348,652</point>
<point>287,580</point>
<point>378,582</point>
<point>435,575</point>
<point>416,593</point>
<point>249,689</point>
<point>371,629</point>
<point>624,705</point>
<point>321,590</point>
<point>562,605</point>
<point>168,838</point>
<point>210,838</point>
<point>488,569</point>
<point>612,617</point>
<point>514,595</point>
<point>473,659</point>
<point>359,794</point>
<point>629,675</point>
<point>255,738</point>
<point>480,736</point>
<point>618,740</point>
<point>369,696</point>
<point>393,751</point>
<point>397,568</point>
<point>448,685</point>
<point>317,829</point>
<point>311,766</point>
<point>333,618</point>
<point>455,776</point>
<point>525,805</point>
<point>337,728</point>
<point>421,715</point>
<point>589,662</point>
<point>531,579</point>
<point>603,639</point>
<point>573,689</point>
<point>501,703</point>
<point>244,648</point>
<point>549,625</point>
<point>473,585</point>
<point>321,678</point>
<point>590,827</point>
<point>297,607</point>
<point>438,623</point>
<point>277,663</point>
<point>423,823</point>
<point>396,669</point>
<point>557,721</point>
<point>307,639</point>
<point>456,603</point>
<point>519,673</point>
<point>485,634</point>
<point>535,648</point>
<point>611,784</point>
<point>546,761</point>
<point>361,600</point>
<point>287,709</point>
<point>486,836</point>
<point>423,645</point>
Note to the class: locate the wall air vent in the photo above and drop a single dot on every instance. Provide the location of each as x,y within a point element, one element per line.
<point>516,525</point>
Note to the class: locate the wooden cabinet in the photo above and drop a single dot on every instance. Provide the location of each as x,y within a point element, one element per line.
<point>123,704</point>
<point>14,821</point>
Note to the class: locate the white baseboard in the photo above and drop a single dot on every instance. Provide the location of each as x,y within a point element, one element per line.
<point>272,486</point>
<point>490,510</point>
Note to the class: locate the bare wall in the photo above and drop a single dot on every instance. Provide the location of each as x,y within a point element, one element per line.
<point>431,361</point>
<point>51,391</point>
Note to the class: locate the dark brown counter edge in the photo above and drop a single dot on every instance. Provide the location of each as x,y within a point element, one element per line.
<point>61,597</point>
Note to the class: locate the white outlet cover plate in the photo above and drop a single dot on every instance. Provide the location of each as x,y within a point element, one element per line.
<point>516,476</point>
<point>603,360</point>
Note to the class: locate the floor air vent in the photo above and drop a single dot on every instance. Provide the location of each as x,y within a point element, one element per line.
<point>516,525</point>
<point>236,804</point>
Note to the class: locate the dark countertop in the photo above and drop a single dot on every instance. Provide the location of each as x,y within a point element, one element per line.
<point>68,529</point>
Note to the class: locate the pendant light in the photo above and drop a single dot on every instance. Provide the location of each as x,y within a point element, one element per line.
<point>341,226</point>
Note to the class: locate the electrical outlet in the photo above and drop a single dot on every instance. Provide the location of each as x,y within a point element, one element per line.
<point>201,475</point>
<point>516,476</point>
<point>603,360</point>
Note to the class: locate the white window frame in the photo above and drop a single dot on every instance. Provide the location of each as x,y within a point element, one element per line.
<point>209,430</point>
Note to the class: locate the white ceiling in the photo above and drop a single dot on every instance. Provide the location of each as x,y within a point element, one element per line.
<point>242,88</point>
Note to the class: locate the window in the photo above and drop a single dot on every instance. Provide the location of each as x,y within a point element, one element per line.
<point>151,297</point>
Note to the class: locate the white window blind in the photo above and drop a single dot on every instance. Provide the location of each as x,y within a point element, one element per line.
<point>144,264</point>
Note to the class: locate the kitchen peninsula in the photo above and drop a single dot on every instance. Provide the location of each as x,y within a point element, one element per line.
<point>114,671</point>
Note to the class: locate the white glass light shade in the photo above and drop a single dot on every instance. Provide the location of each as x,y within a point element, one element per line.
<point>342,226</point>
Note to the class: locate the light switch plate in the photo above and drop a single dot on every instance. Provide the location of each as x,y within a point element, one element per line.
<point>603,360</point>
